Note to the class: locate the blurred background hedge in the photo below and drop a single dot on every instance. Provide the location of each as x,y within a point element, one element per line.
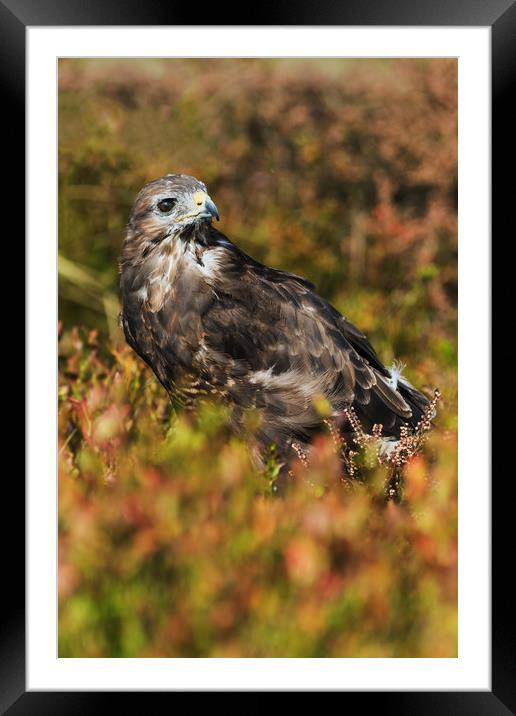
<point>343,171</point>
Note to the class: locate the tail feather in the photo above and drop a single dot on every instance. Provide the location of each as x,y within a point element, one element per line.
<point>417,401</point>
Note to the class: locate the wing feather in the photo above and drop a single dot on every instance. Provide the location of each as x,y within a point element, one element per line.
<point>296,347</point>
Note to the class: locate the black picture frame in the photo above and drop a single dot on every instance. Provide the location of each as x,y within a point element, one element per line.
<point>500,15</point>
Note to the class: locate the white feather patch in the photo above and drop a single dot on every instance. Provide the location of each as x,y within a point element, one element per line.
<point>386,446</point>
<point>261,376</point>
<point>395,371</point>
<point>211,262</point>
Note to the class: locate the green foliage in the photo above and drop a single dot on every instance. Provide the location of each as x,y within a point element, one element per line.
<point>171,542</point>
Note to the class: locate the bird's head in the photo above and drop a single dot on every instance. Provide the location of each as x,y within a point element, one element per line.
<point>168,205</point>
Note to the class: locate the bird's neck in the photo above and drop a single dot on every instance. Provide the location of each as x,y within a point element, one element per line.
<point>138,249</point>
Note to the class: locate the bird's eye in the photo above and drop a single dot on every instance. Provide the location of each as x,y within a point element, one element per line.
<point>166,205</point>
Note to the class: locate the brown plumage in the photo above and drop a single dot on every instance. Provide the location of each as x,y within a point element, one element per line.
<point>210,320</point>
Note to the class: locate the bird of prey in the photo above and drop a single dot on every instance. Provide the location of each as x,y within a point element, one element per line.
<point>210,320</point>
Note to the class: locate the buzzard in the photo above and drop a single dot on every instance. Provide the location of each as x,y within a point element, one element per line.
<point>210,320</point>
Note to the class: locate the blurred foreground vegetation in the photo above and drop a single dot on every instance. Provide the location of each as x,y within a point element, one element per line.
<point>170,543</point>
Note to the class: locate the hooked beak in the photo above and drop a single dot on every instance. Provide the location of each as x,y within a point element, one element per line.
<point>207,209</point>
<point>211,208</point>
